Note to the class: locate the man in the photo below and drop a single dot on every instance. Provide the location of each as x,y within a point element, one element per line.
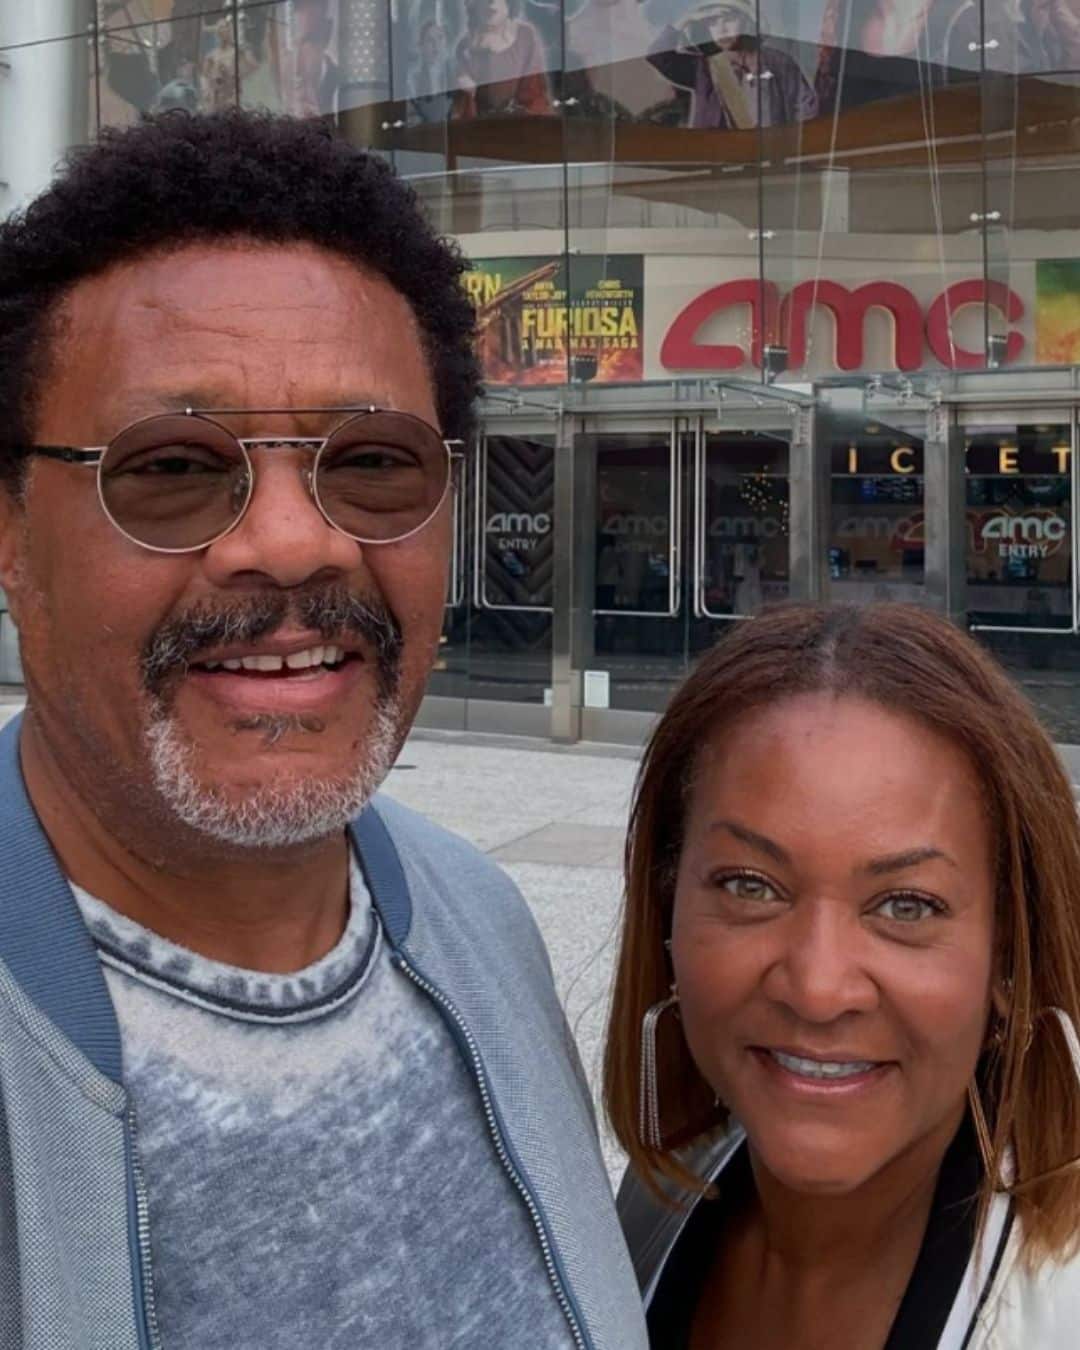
<point>277,1067</point>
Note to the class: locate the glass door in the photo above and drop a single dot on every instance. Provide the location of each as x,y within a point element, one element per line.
<point>512,563</point>
<point>638,628</point>
<point>876,538</point>
<point>741,510</point>
<point>1020,514</point>
<point>1021,505</point>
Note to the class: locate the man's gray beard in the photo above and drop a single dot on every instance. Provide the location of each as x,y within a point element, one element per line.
<point>274,816</point>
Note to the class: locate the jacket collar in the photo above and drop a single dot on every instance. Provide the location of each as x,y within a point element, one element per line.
<point>43,940</point>
<point>383,873</point>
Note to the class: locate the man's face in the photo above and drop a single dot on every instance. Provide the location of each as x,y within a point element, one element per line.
<point>112,635</point>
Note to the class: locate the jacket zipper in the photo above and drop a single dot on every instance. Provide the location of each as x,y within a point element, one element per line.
<point>142,1225</point>
<point>480,1075</point>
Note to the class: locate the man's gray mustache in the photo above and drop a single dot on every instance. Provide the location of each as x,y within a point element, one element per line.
<point>333,614</point>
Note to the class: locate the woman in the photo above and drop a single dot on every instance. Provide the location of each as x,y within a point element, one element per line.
<point>853,927</point>
<point>875,49</point>
<point>501,63</point>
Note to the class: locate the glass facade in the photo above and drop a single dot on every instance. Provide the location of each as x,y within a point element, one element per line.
<point>775,298</point>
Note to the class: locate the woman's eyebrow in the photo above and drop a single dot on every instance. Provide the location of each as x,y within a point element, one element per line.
<point>761,842</point>
<point>892,862</point>
<point>897,862</point>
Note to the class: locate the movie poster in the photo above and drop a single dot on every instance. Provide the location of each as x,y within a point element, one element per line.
<point>662,61</point>
<point>290,58</point>
<point>705,64</point>
<point>541,321</point>
<point>1057,312</point>
<point>710,64</point>
<point>162,54</point>
<point>463,59</point>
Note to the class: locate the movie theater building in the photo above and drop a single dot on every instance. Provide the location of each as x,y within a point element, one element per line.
<point>775,299</point>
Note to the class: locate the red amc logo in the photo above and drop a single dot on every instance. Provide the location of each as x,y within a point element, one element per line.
<point>771,318</point>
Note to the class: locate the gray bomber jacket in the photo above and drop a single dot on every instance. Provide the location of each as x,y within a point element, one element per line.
<point>74,1246</point>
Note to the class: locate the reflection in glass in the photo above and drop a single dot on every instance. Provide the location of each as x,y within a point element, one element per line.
<point>878,49</point>
<point>735,77</point>
<point>634,528</point>
<point>1032,35</point>
<point>1019,518</point>
<point>290,58</point>
<point>186,61</point>
<point>429,81</point>
<point>742,557</point>
<point>508,626</point>
<point>639,620</point>
<point>877,526</point>
<point>501,62</point>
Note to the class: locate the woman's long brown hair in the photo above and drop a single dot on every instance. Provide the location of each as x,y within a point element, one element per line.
<point>910,662</point>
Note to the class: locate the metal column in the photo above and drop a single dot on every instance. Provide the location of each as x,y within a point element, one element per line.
<point>565,680</point>
<point>45,94</point>
<point>808,554</point>
<point>944,505</point>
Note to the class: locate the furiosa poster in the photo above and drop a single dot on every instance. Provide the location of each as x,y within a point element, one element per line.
<point>545,321</point>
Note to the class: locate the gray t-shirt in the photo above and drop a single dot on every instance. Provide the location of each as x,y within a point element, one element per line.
<point>318,1167</point>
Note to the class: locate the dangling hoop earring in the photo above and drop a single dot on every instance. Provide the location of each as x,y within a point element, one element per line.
<point>648,1092</point>
<point>982,1128</point>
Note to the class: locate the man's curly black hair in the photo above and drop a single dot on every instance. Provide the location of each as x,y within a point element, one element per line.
<point>178,178</point>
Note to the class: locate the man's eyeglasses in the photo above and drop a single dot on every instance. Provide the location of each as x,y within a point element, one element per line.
<point>178,482</point>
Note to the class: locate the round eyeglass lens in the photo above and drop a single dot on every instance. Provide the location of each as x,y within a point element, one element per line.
<point>381,476</point>
<point>174,483</point>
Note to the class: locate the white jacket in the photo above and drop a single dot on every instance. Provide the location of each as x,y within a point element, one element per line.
<point>1019,1311</point>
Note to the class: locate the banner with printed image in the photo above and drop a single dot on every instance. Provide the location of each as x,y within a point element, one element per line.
<point>1057,311</point>
<point>544,321</point>
<point>161,54</point>
<point>290,57</point>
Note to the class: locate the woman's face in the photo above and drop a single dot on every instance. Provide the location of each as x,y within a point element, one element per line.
<point>726,26</point>
<point>833,935</point>
<point>489,13</point>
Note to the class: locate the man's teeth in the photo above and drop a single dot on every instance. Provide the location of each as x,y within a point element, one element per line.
<point>818,1068</point>
<point>310,656</point>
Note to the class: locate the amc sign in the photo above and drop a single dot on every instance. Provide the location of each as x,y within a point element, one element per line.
<point>1034,534</point>
<point>787,320</point>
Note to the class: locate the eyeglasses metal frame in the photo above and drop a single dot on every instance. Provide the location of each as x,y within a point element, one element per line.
<point>94,456</point>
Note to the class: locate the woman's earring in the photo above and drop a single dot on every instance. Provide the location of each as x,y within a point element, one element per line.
<point>649,1096</point>
<point>982,1128</point>
<point>1072,1040</point>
